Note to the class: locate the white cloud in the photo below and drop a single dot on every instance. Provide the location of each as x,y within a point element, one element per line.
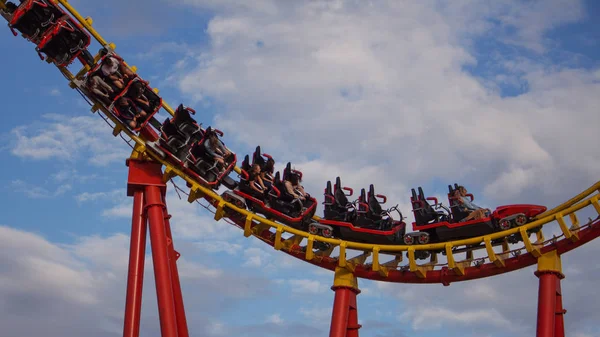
<point>275,319</point>
<point>85,281</point>
<point>35,191</point>
<point>307,286</point>
<point>95,196</point>
<point>69,138</point>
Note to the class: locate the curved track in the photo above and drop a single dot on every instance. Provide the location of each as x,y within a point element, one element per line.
<point>376,262</point>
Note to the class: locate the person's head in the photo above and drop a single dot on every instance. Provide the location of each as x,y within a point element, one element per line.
<point>270,165</point>
<point>294,178</point>
<point>255,169</point>
<point>137,89</point>
<point>123,102</point>
<point>462,190</point>
<point>214,140</point>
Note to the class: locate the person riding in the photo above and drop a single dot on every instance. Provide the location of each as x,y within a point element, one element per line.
<point>293,187</point>
<point>136,94</point>
<point>215,148</point>
<point>267,173</point>
<point>255,181</point>
<point>131,111</point>
<point>101,89</point>
<point>475,212</point>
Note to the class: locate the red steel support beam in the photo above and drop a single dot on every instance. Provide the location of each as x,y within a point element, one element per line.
<point>177,295</point>
<point>135,276</point>
<point>339,315</point>
<point>148,190</point>
<point>546,304</point>
<point>559,323</point>
<point>344,317</point>
<point>353,326</point>
<point>160,257</point>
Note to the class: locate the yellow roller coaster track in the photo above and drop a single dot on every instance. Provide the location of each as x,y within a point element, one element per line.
<point>301,244</point>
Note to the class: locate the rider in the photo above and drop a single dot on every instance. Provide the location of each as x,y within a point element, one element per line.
<point>254,180</point>
<point>475,212</point>
<point>293,187</point>
<point>215,148</point>
<point>267,173</point>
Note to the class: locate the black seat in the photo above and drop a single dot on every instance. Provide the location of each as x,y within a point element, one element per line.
<point>246,164</point>
<point>328,196</point>
<point>258,159</point>
<point>172,136</point>
<point>184,122</point>
<point>424,212</point>
<point>375,208</point>
<point>198,152</point>
<point>64,42</point>
<point>341,201</point>
<point>337,205</point>
<point>33,18</point>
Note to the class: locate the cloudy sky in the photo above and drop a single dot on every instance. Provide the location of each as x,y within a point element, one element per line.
<point>500,96</point>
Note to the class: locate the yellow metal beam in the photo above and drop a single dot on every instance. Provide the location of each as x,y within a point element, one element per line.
<point>550,261</point>
<point>344,278</point>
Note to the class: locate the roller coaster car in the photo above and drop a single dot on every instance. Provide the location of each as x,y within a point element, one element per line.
<point>64,42</point>
<point>438,226</point>
<point>127,113</point>
<point>177,133</point>
<point>33,18</point>
<point>506,216</point>
<point>276,204</point>
<point>363,220</point>
<point>199,162</point>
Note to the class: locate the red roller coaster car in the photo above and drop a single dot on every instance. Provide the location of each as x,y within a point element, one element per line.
<point>64,42</point>
<point>443,226</point>
<point>276,203</point>
<point>33,18</point>
<point>363,220</point>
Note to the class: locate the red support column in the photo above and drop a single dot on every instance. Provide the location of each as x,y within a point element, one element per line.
<point>546,304</point>
<point>146,186</point>
<point>135,276</point>
<point>177,295</point>
<point>160,257</point>
<point>549,273</point>
<point>344,316</point>
<point>353,326</point>
<point>559,324</point>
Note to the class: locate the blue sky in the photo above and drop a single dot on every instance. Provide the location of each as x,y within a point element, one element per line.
<point>502,98</point>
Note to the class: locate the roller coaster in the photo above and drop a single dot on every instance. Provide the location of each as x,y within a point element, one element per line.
<point>280,213</point>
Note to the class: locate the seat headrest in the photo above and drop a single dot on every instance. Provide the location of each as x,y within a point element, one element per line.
<point>246,163</point>
<point>328,190</point>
